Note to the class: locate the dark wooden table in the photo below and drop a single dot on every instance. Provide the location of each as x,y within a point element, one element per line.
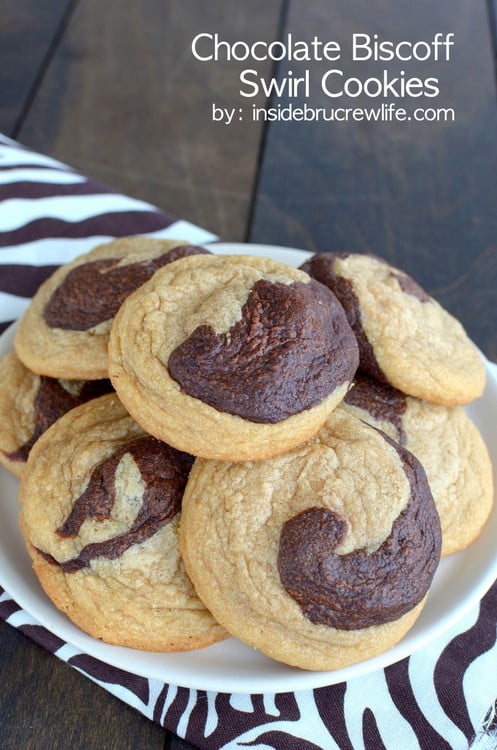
<point>114,90</point>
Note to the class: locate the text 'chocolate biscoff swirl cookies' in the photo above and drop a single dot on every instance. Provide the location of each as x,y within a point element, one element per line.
<point>65,330</point>
<point>30,403</point>
<point>405,337</point>
<point>321,557</point>
<point>231,357</point>
<point>448,445</point>
<point>101,503</point>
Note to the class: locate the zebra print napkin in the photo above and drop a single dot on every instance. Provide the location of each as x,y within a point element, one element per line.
<point>440,698</point>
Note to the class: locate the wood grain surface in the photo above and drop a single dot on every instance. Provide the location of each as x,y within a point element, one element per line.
<point>421,195</point>
<point>44,703</point>
<point>125,100</point>
<point>113,89</point>
<point>29,32</point>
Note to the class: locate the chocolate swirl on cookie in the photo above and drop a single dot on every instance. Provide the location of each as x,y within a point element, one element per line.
<point>164,471</point>
<point>52,401</point>
<point>291,348</point>
<point>93,292</point>
<point>361,589</point>
<point>321,268</point>
<point>381,401</point>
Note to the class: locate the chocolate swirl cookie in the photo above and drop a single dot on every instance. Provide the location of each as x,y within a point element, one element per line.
<point>320,557</point>
<point>231,357</point>
<point>64,332</point>
<point>406,339</point>
<point>101,504</point>
<point>30,403</point>
<point>448,445</point>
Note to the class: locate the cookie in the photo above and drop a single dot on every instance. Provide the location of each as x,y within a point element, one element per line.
<point>406,339</point>
<point>64,332</point>
<point>231,357</point>
<point>320,557</point>
<point>30,403</point>
<point>101,504</point>
<point>448,445</point>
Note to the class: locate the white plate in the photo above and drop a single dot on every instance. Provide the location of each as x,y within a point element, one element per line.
<point>231,666</point>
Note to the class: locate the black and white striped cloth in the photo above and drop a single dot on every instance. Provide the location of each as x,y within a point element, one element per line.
<point>440,698</point>
<point>50,214</point>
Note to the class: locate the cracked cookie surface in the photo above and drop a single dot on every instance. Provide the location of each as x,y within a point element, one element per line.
<point>320,557</point>
<point>449,447</point>
<point>405,337</point>
<point>231,357</point>
<point>101,506</point>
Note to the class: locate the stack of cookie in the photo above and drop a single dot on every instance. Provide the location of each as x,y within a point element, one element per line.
<point>100,497</point>
<point>262,469</point>
<point>417,370</point>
